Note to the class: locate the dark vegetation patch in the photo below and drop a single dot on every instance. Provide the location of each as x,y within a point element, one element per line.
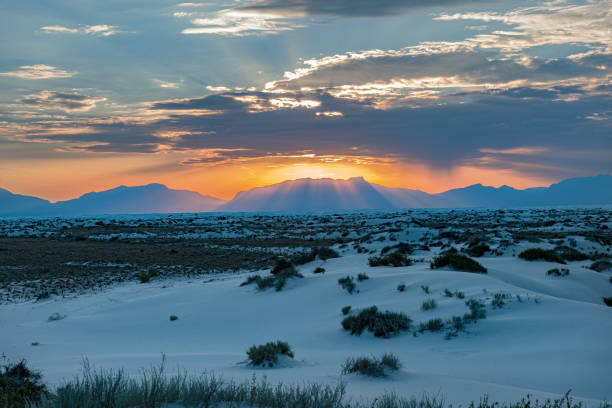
<point>477,250</point>
<point>401,248</point>
<point>381,324</point>
<point>267,354</point>
<point>601,265</point>
<point>362,276</point>
<point>539,254</point>
<point>348,284</point>
<point>395,259</point>
<point>372,366</point>
<point>278,280</point>
<point>558,272</point>
<point>429,305</point>
<point>401,287</point>
<point>319,269</point>
<point>457,262</point>
<point>608,301</point>
<point>146,276</point>
<point>19,385</point>
<point>346,310</point>
<point>570,254</point>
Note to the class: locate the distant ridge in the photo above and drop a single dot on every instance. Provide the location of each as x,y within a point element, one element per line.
<point>311,195</point>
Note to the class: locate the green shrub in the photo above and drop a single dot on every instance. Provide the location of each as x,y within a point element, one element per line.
<point>429,305</point>
<point>459,295</point>
<point>267,354</point>
<point>371,366</point>
<point>346,310</point>
<point>455,324</point>
<point>570,254</point>
<point>608,300</point>
<point>277,281</point>
<point>498,300</point>
<point>395,259</point>
<point>558,272</point>
<point>432,325</point>
<point>20,386</point>
<point>457,262</point>
<point>448,293</point>
<point>282,266</point>
<point>477,310</point>
<point>401,287</point>
<point>362,276</point>
<point>425,289</point>
<point>348,284</point>
<point>173,318</point>
<point>402,248</point>
<point>319,269</point>
<point>535,254</point>
<point>477,250</point>
<point>381,324</point>
<point>601,265</point>
<point>146,276</point>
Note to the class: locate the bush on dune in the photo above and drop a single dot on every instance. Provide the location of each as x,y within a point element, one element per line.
<point>457,262</point>
<point>539,254</point>
<point>348,284</point>
<point>372,366</point>
<point>267,354</point>
<point>395,259</point>
<point>381,324</point>
<point>19,385</point>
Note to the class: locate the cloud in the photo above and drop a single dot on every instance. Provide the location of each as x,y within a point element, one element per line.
<point>67,102</point>
<point>551,23</point>
<point>343,8</point>
<point>274,16</point>
<point>39,71</point>
<point>103,30</point>
<point>232,22</point>
<point>167,84</point>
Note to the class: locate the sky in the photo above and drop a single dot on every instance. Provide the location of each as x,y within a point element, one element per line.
<point>222,96</point>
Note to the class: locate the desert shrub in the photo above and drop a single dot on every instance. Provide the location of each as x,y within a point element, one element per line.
<point>608,301</point>
<point>432,325</point>
<point>319,269</point>
<point>601,265</point>
<point>455,324</point>
<point>173,318</point>
<point>448,293</point>
<point>348,284</point>
<point>381,324</point>
<point>146,276</point>
<point>277,281</point>
<point>425,289</point>
<point>570,254</point>
<point>477,250</point>
<point>477,310</point>
<point>401,287</point>
<point>156,388</point>
<point>429,305</point>
<point>394,259</point>
<point>402,248</point>
<point>498,300</point>
<point>267,354</point>
<point>362,276</point>
<point>457,262</point>
<point>558,272</point>
<point>459,295</point>
<point>56,316</point>
<point>371,366</point>
<point>324,253</point>
<point>20,386</point>
<point>346,310</point>
<point>536,254</point>
<point>282,265</point>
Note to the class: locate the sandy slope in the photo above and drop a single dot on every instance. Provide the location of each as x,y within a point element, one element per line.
<point>557,338</point>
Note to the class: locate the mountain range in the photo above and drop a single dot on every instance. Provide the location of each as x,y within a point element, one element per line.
<point>310,195</point>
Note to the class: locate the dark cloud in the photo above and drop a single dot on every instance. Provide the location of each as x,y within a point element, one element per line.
<point>351,8</point>
<point>439,135</point>
<point>68,102</point>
